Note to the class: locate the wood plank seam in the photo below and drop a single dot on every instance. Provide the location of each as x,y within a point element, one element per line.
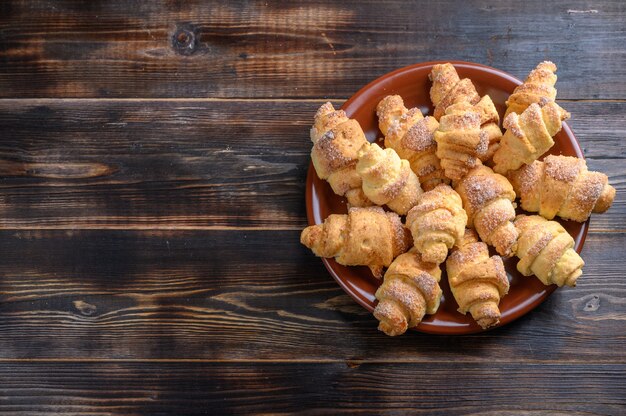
<point>349,362</point>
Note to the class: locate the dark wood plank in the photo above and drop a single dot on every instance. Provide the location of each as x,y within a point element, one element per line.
<point>154,164</point>
<point>325,48</point>
<point>258,295</point>
<point>613,219</point>
<point>197,164</point>
<point>599,127</point>
<point>312,388</point>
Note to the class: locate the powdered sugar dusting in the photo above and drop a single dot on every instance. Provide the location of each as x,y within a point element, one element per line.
<point>501,277</point>
<point>393,189</point>
<point>483,145</point>
<point>469,120</point>
<point>426,284</point>
<point>393,128</point>
<point>411,113</point>
<point>400,234</point>
<point>543,70</point>
<point>480,189</point>
<point>426,170</point>
<point>419,138</point>
<point>329,135</point>
<point>563,168</point>
<point>324,109</point>
<point>585,194</point>
<point>404,294</point>
<point>511,121</point>
<point>526,177</point>
<point>330,153</point>
<point>393,319</point>
<point>494,217</point>
<point>468,253</point>
<point>540,244</point>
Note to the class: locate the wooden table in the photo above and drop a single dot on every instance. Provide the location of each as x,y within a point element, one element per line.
<point>153,160</point>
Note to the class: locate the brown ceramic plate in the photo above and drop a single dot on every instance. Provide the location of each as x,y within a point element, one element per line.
<point>412,83</point>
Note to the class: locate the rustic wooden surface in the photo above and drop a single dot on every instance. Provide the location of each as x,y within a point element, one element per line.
<point>152,166</point>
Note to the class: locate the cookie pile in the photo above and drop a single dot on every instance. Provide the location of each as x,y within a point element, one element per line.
<point>444,187</point>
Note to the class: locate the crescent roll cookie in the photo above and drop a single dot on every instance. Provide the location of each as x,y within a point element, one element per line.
<point>336,142</point>
<point>409,291</point>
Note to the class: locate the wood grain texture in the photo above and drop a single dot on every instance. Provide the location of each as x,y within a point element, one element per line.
<point>152,169</point>
<point>289,49</point>
<point>155,164</point>
<point>259,295</point>
<point>312,388</point>
<point>190,164</point>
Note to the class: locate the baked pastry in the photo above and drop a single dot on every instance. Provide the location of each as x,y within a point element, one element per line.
<point>387,179</point>
<point>488,200</point>
<point>412,136</point>
<point>562,186</point>
<point>336,142</point>
<point>539,84</point>
<point>363,237</point>
<point>448,89</point>
<point>545,249</point>
<point>477,281</point>
<point>409,291</point>
<point>529,135</point>
<point>437,222</point>
<point>489,128</point>
<point>460,144</point>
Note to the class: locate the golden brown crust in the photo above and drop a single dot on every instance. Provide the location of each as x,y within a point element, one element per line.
<point>562,186</point>
<point>364,237</point>
<point>488,200</point>
<point>412,136</point>
<point>490,133</point>
<point>528,136</point>
<point>477,281</point>
<point>409,291</point>
<point>460,144</point>
<point>443,77</point>
<point>489,125</point>
<point>469,131</point>
<point>387,179</point>
<point>538,85</point>
<point>437,222</point>
<point>545,249</point>
<point>448,89</point>
<point>336,141</point>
